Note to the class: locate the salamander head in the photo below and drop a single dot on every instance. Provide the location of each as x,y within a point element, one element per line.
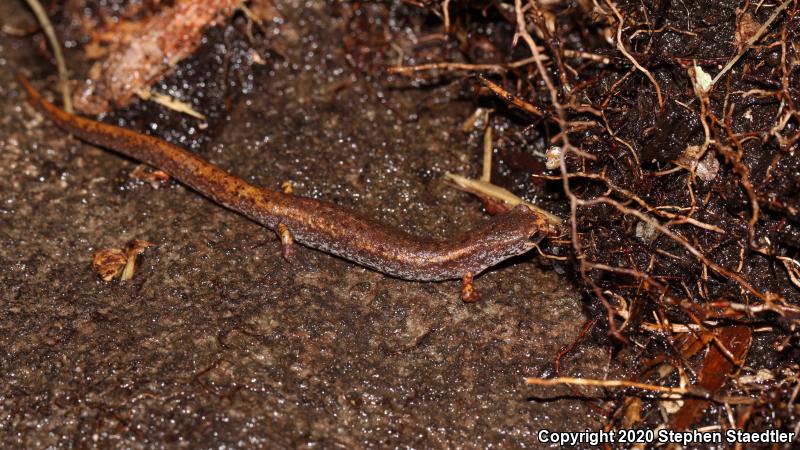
<point>503,236</point>
<point>514,232</point>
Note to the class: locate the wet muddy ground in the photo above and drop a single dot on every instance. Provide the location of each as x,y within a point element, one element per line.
<point>217,340</point>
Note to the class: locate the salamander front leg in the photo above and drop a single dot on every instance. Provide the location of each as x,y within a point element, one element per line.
<point>287,242</point>
<point>468,292</point>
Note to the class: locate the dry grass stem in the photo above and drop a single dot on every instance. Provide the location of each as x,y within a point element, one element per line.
<point>55,45</point>
<point>484,189</point>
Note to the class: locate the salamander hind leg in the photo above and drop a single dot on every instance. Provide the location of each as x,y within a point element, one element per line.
<point>287,242</point>
<point>468,292</point>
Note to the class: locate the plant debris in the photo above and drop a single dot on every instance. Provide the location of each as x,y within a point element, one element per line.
<point>107,263</point>
<point>156,178</point>
<point>133,54</point>
<point>679,191</point>
<point>110,262</point>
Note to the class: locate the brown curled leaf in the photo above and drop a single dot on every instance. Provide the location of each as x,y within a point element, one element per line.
<point>108,262</point>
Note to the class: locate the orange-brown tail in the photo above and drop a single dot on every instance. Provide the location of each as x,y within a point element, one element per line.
<point>186,167</point>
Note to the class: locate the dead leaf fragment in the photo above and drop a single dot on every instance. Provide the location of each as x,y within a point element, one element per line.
<point>706,168</point>
<point>717,367</point>
<point>747,27</point>
<point>108,262</point>
<point>137,53</point>
<point>156,178</point>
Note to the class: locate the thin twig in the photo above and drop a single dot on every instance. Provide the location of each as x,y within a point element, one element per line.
<point>49,31</point>
<point>498,68</point>
<point>446,13</point>
<point>486,175</point>
<point>511,98</point>
<point>170,102</point>
<point>490,190</point>
<point>671,391</point>
<point>750,43</point>
<point>630,57</point>
<point>566,147</point>
<point>690,248</point>
<point>676,218</point>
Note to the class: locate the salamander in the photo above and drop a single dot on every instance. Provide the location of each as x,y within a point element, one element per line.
<point>315,223</point>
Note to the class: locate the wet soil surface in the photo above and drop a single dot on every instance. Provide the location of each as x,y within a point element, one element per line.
<point>217,341</point>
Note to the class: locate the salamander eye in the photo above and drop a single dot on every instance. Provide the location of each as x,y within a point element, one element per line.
<point>533,239</point>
